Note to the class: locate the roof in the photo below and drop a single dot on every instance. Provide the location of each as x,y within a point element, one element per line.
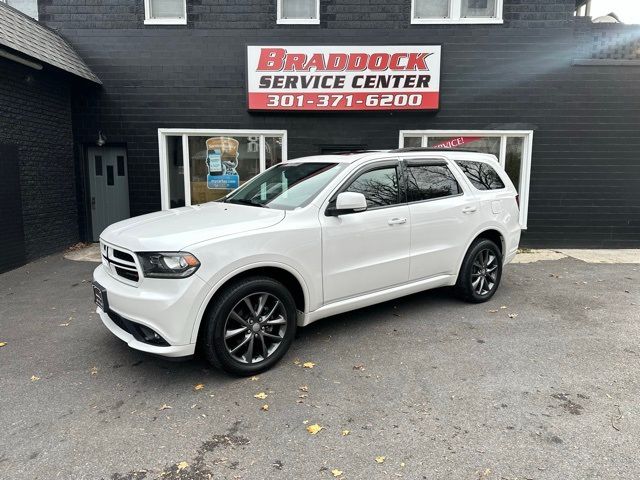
<point>355,156</point>
<point>27,36</point>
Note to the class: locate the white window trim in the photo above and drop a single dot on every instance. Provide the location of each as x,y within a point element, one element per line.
<point>455,7</point>
<point>525,166</point>
<point>298,21</point>
<point>163,21</point>
<point>163,133</point>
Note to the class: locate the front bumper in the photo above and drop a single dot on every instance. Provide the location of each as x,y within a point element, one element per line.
<point>167,306</point>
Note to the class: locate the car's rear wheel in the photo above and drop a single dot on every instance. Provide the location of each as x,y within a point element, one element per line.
<point>480,272</point>
<point>250,326</point>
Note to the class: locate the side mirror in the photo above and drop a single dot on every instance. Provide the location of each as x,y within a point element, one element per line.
<point>349,202</point>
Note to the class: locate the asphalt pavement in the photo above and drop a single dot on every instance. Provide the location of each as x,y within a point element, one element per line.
<point>539,383</point>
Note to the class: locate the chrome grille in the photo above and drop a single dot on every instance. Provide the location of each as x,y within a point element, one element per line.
<point>120,263</point>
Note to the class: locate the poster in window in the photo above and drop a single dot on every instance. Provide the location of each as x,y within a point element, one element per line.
<point>222,161</point>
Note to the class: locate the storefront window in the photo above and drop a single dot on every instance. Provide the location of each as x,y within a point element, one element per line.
<point>511,148</point>
<point>217,162</point>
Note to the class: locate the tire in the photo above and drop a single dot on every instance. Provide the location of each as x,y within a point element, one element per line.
<point>480,273</point>
<point>234,333</point>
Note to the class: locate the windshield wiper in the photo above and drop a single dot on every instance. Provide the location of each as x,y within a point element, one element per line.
<point>242,201</point>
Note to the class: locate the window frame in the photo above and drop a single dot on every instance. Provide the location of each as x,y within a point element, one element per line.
<point>149,20</point>
<point>163,133</point>
<point>455,9</point>
<point>429,162</point>
<point>297,21</point>
<point>525,165</point>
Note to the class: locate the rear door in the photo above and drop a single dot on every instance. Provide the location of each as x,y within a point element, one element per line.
<point>443,217</point>
<point>367,251</point>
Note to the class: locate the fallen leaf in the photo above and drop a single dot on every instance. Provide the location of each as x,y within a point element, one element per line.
<point>303,388</point>
<point>34,378</point>
<point>308,365</point>
<point>359,366</point>
<point>513,315</point>
<point>296,362</point>
<point>182,465</point>
<point>94,370</point>
<point>165,407</point>
<point>305,421</point>
<point>199,386</point>
<point>260,395</point>
<point>380,459</point>
<point>64,325</point>
<point>2,344</point>
<point>493,310</point>
<point>336,473</point>
<point>264,407</point>
<point>314,429</point>
<point>254,378</point>
<point>345,432</point>
<point>503,307</point>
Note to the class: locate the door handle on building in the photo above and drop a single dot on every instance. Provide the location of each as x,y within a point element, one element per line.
<point>397,221</point>
<point>469,209</point>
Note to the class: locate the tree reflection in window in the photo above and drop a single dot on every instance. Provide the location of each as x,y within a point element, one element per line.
<point>481,175</point>
<point>380,187</point>
<point>425,182</point>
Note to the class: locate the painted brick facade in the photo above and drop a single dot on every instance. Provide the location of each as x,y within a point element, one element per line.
<point>520,75</point>
<point>35,117</point>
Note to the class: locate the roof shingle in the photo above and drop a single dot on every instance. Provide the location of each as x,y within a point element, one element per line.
<point>23,34</point>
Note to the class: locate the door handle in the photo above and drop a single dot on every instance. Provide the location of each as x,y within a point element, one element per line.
<point>469,209</point>
<point>397,221</point>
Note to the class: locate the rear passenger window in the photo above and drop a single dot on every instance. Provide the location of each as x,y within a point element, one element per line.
<point>425,182</point>
<point>482,175</point>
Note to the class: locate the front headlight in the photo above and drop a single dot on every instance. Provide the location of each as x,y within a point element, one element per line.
<point>168,264</point>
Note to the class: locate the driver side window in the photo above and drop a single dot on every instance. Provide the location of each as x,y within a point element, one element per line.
<point>379,186</point>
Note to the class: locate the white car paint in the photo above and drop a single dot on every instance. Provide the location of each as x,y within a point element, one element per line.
<point>341,262</point>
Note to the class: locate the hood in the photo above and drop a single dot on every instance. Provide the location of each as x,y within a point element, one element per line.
<point>174,230</point>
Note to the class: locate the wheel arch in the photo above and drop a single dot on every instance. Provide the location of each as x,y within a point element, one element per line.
<point>492,233</point>
<point>285,274</point>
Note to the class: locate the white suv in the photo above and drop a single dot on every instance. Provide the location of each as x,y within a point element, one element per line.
<point>304,240</point>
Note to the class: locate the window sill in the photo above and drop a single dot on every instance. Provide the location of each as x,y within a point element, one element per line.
<point>298,21</point>
<point>165,21</point>
<point>456,21</point>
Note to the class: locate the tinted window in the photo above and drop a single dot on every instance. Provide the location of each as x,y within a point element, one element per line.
<point>425,182</point>
<point>481,175</point>
<point>380,187</point>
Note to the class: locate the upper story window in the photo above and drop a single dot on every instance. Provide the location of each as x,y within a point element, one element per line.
<point>456,11</point>
<point>28,7</point>
<point>165,12</point>
<point>299,11</point>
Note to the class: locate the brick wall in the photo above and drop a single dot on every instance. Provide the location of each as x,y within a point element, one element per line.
<point>35,115</point>
<point>519,75</point>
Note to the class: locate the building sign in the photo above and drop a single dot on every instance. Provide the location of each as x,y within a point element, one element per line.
<point>392,77</point>
<point>456,142</point>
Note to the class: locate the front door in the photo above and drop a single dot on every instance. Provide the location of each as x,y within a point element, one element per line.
<point>367,251</point>
<point>108,187</point>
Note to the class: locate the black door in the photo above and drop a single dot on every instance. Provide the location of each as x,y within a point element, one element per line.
<point>12,249</point>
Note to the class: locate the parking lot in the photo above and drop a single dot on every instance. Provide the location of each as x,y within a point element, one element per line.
<point>539,383</point>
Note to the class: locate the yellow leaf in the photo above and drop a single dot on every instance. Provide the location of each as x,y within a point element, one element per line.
<point>264,407</point>
<point>380,459</point>
<point>260,395</point>
<point>34,378</point>
<point>165,407</point>
<point>336,473</point>
<point>182,465</point>
<point>313,429</point>
<point>308,365</point>
<point>2,344</point>
<point>345,432</point>
<point>254,378</point>
<point>199,386</point>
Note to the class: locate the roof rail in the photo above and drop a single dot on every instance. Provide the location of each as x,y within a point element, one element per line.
<point>431,149</point>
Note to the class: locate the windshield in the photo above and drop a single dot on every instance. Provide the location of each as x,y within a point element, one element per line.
<point>287,185</point>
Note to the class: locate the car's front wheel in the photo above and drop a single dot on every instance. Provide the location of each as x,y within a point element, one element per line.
<point>480,272</point>
<point>250,326</point>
